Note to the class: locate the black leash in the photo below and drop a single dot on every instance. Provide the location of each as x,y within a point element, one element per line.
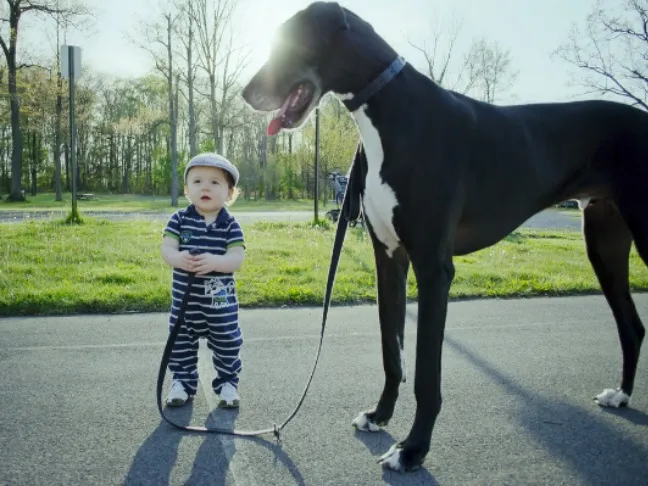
<point>350,211</point>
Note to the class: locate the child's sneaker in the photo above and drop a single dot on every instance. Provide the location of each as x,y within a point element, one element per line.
<point>229,396</point>
<point>178,396</point>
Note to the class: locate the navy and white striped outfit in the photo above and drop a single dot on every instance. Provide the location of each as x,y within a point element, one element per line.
<point>212,309</point>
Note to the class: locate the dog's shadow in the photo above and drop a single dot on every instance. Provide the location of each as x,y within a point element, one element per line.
<point>378,443</point>
<point>572,434</point>
<point>637,417</point>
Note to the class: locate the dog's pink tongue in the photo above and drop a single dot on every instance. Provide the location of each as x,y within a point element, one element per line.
<point>276,123</point>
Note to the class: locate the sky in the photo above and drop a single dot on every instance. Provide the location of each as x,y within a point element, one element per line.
<point>530,30</point>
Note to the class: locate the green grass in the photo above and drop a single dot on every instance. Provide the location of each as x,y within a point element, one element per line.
<point>136,203</point>
<point>48,267</point>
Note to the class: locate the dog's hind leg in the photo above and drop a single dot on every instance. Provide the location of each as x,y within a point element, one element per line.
<point>392,287</point>
<point>608,241</point>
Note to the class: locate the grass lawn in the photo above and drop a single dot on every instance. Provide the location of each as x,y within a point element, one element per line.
<point>136,203</point>
<point>47,267</point>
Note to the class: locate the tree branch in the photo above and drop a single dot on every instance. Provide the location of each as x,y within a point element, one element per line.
<point>4,47</point>
<point>42,8</point>
<point>26,65</point>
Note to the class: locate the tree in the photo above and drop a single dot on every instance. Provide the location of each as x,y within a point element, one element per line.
<point>211,18</point>
<point>438,58</point>
<point>11,15</point>
<point>235,63</point>
<point>483,71</point>
<point>161,33</point>
<point>186,33</point>
<point>612,53</point>
<point>489,69</point>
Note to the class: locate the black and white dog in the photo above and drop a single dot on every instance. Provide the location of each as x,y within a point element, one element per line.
<point>448,175</point>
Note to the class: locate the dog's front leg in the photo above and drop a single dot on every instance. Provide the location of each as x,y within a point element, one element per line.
<point>392,287</point>
<point>434,280</point>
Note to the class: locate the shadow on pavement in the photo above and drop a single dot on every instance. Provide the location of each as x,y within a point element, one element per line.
<point>378,443</point>
<point>157,456</point>
<point>570,433</point>
<point>630,414</point>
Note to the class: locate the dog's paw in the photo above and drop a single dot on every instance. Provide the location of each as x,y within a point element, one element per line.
<point>363,422</point>
<point>612,398</point>
<point>392,459</point>
<point>400,460</point>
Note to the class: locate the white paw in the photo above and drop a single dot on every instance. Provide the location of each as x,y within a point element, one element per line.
<point>392,459</point>
<point>612,398</point>
<point>362,422</point>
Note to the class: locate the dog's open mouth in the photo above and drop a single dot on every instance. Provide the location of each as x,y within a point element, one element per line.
<point>293,108</point>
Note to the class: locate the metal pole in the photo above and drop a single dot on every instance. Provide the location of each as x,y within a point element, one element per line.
<point>72,133</point>
<point>317,137</point>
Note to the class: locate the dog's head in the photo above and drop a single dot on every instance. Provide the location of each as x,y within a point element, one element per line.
<point>315,51</point>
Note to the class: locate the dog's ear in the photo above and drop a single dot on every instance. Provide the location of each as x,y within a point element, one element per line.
<point>328,18</point>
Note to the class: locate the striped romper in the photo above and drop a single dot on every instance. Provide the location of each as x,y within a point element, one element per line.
<point>212,309</point>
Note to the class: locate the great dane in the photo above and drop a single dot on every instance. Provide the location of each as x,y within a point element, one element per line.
<point>448,175</point>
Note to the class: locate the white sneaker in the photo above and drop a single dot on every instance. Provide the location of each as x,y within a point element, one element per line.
<point>178,396</point>
<point>229,396</point>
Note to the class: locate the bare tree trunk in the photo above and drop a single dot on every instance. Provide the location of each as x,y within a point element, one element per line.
<point>221,116</point>
<point>57,138</point>
<point>34,167</point>
<point>57,121</point>
<point>172,117</point>
<point>214,112</point>
<point>16,134</point>
<point>66,156</point>
<point>190,85</point>
<point>127,155</point>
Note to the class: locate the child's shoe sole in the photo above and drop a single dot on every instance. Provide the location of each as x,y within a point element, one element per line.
<point>224,404</point>
<point>178,402</point>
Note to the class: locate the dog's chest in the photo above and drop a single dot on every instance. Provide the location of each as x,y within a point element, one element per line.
<point>379,198</point>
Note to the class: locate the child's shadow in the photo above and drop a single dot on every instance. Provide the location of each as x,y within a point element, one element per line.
<point>378,443</point>
<point>157,456</point>
<point>213,458</point>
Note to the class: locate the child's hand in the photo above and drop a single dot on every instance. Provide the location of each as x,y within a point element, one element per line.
<point>187,261</point>
<point>205,263</point>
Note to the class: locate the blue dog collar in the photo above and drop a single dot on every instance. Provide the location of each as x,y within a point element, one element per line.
<point>376,85</point>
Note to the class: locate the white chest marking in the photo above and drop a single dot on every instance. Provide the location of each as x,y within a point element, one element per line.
<point>379,199</point>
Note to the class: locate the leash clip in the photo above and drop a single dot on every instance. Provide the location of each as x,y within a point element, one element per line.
<point>277,433</point>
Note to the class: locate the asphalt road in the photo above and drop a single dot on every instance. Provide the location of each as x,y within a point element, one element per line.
<point>243,216</point>
<point>548,219</point>
<point>77,401</point>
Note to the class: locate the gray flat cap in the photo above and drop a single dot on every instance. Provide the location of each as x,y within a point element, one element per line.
<point>213,160</point>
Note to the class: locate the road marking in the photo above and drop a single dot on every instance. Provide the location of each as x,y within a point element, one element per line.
<point>293,337</point>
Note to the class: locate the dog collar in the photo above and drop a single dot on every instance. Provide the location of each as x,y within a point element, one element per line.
<point>376,85</point>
